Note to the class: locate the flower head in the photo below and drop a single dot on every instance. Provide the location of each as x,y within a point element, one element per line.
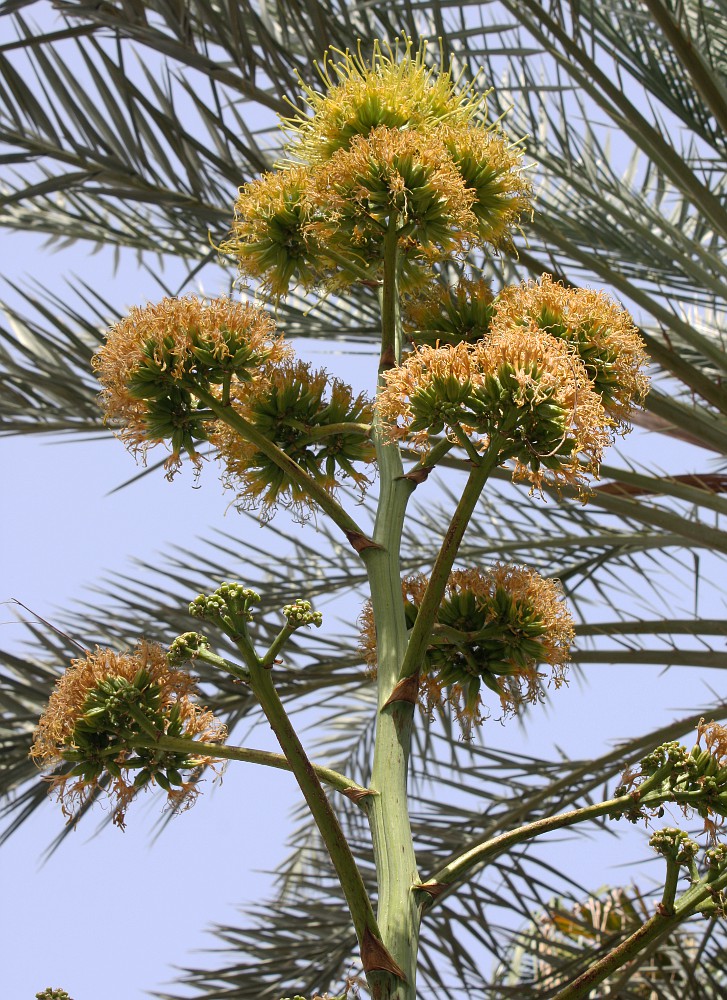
<point>493,629</point>
<point>491,168</point>
<point>314,418</point>
<point>391,143</point>
<point>154,358</point>
<point>103,711</point>
<point>391,176</point>
<point>522,390</point>
<point>271,236</point>
<point>449,314</point>
<point>600,331</point>
<point>536,395</point>
<point>395,88</point>
<point>428,392</point>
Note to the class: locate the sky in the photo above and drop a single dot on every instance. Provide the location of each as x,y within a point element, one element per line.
<point>109,915</point>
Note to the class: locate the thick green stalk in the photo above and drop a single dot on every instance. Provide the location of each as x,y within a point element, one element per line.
<point>247,755</point>
<point>396,869</point>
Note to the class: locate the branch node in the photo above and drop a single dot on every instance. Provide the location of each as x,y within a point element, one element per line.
<point>357,794</point>
<point>418,476</point>
<point>433,889</point>
<point>359,541</point>
<point>374,956</point>
<point>406,690</point>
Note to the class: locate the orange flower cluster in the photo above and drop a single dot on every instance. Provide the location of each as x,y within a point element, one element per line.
<point>493,629</point>
<point>556,372</point>
<point>100,707</point>
<point>153,359</point>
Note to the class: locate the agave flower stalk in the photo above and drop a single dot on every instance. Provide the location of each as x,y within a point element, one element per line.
<point>230,607</point>
<point>394,171</point>
<point>396,866</point>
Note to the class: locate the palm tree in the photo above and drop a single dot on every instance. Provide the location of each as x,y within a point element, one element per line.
<point>624,104</point>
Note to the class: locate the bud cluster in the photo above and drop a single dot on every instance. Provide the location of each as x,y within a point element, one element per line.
<point>230,607</point>
<point>300,613</point>
<point>674,845</point>
<point>186,647</point>
<point>679,849</point>
<point>696,781</point>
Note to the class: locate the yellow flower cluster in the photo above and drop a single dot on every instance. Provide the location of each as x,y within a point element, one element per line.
<point>98,706</point>
<point>522,389</point>
<point>392,146</point>
<point>556,372</point>
<point>493,629</point>
<point>595,327</point>
<point>153,359</point>
<point>314,418</point>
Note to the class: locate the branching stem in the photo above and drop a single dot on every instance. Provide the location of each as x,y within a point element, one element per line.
<point>250,433</point>
<point>422,630</point>
<point>247,755</point>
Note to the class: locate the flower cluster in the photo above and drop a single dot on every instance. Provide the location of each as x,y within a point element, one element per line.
<point>694,780</point>
<point>155,359</point>
<point>101,724</point>
<point>314,419</point>
<point>449,314</point>
<point>492,630</point>
<point>300,614</point>
<point>523,388</point>
<point>599,331</point>
<point>392,146</point>
<point>548,373</point>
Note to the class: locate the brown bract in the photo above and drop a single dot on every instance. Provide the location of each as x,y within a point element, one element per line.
<point>54,734</point>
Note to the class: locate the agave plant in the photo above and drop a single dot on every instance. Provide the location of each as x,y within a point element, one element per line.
<point>624,106</point>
